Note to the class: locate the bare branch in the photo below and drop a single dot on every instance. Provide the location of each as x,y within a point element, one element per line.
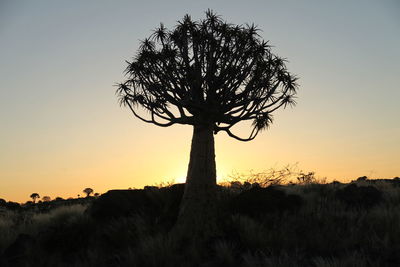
<point>253,135</point>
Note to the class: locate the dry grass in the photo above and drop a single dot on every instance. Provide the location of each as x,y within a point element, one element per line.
<point>324,231</point>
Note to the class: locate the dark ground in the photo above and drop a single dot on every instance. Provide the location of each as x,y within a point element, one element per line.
<point>308,224</point>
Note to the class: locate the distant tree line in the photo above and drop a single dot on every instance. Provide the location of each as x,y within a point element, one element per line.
<point>35,196</point>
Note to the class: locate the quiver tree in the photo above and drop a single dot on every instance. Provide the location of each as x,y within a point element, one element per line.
<point>88,191</point>
<point>212,75</point>
<point>34,196</point>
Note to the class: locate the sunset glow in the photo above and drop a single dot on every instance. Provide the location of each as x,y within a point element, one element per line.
<point>62,129</point>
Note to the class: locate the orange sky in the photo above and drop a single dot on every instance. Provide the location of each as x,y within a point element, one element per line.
<point>62,129</point>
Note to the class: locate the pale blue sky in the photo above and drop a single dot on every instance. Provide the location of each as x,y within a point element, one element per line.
<point>62,129</point>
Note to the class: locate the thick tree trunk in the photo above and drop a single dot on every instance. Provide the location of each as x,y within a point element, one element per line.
<point>198,207</point>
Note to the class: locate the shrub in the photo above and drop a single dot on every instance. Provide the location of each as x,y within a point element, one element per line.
<point>12,205</point>
<point>161,205</point>
<point>258,201</point>
<point>119,203</point>
<point>359,196</point>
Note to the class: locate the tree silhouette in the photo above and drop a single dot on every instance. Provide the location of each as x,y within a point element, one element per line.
<point>212,75</point>
<point>34,196</point>
<point>88,191</point>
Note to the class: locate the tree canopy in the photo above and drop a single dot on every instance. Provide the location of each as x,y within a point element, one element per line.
<point>88,191</point>
<point>34,196</point>
<point>207,72</point>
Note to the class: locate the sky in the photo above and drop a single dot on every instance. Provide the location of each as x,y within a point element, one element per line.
<point>62,130</point>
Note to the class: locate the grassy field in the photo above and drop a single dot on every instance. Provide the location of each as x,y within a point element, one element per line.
<point>307,223</point>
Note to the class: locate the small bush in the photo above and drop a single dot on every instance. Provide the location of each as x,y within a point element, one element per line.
<point>360,196</point>
<point>259,201</point>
